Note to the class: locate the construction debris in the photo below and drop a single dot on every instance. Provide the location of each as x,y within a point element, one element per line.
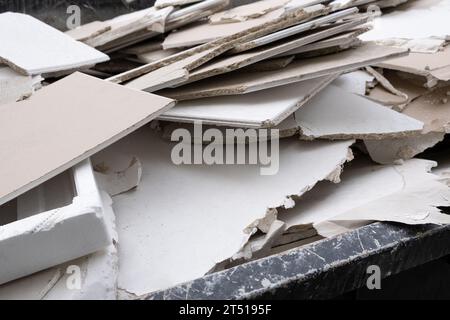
<point>273,100</point>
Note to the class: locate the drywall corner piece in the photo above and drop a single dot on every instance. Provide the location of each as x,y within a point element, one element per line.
<point>56,236</point>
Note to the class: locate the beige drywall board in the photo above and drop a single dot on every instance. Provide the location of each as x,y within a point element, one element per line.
<point>337,114</point>
<point>205,32</point>
<point>388,151</point>
<point>237,82</point>
<point>235,62</point>
<point>265,108</point>
<point>376,187</point>
<point>222,44</point>
<point>215,47</point>
<point>35,48</point>
<point>315,23</point>
<point>64,123</point>
<point>212,226</point>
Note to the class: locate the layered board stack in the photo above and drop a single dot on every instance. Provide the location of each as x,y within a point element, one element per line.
<point>126,144</point>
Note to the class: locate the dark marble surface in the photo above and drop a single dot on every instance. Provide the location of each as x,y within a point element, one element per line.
<point>324,269</point>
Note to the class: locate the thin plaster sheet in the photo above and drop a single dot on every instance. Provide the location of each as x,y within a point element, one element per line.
<point>303,69</point>
<point>406,193</point>
<point>154,220</point>
<point>32,47</point>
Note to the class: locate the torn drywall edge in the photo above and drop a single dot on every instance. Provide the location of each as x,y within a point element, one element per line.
<point>22,242</point>
<point>272,223</point>
<point>221,46</point>
<point>320,17</point>
<point>238,83</point>
<point>236,62</point>
<point>388,151</point>
<point>148,237</point>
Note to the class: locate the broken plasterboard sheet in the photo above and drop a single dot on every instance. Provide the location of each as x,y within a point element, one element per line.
<point>35,48</point>
<point>384,188</point>
<point>15,86</point>
<point>435,65</point>
<point>397,24</point>
<point>172,74</point>
<point>336,114</point>
<point>388,151</point>
<point>159,4</point>
<point>148,256</point>
<point>246,12</point>
<point>227,64</point>
<point>53,237</point>
<point>117,174</point>
<point>429,45</point>
<point>89,30</point>
<point>343,41</point>
<point>221,45</point>
<point>299,70</point>
<point>265,108</point>
<point>57,135</point>
<point>204,32</point>
<point>317,22</point>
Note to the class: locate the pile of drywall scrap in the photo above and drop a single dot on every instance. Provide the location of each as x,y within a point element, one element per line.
<point>275,124</point>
